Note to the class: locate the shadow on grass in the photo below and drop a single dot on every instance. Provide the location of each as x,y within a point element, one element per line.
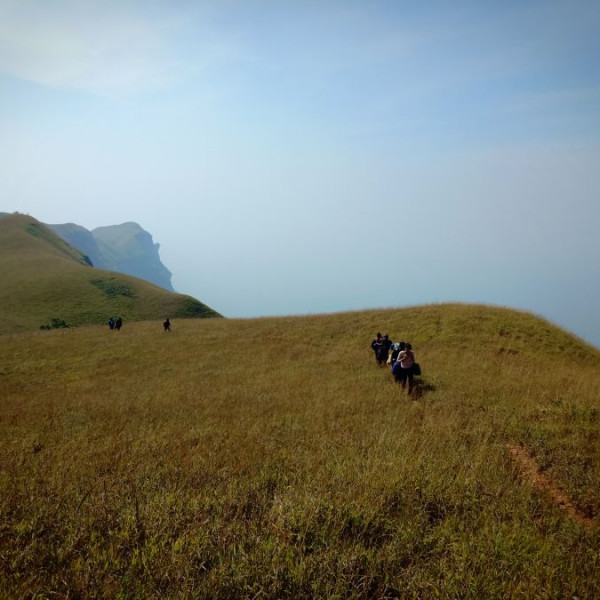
<point>420,388</point>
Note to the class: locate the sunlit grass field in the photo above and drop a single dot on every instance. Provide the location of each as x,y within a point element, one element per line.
<point>272,458</point>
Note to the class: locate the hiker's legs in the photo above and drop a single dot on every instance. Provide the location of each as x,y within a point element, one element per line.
<point>410,381</point>
<point>402,378</point>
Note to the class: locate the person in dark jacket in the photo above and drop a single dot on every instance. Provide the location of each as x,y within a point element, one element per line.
<point>376,343</point>
<point>383,350</point>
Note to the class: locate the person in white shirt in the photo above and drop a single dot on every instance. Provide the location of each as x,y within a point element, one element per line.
<point>403,367</point>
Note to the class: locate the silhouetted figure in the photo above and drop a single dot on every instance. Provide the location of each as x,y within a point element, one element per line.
<point>383,350</point>
<point>167,325</point>
<point>111,323</point>
<point>119,324</point>
<point>376,343</point>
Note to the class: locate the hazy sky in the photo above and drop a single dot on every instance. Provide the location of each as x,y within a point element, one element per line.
<point>305,156</point>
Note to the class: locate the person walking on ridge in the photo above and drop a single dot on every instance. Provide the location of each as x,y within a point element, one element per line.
<point>376,344</point>
<point>403,369</point>
<point>396,349</point>
<point>383,350</point>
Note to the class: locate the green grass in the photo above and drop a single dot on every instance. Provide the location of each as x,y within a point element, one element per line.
<point>42,232</point>
<point>43,278</point>
<point>272,458</point>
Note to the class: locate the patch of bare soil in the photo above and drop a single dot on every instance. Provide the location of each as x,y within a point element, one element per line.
<point>545,485</point>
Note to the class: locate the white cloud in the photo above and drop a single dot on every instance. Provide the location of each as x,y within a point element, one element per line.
<point>106,48</point>
<point>95,48</point>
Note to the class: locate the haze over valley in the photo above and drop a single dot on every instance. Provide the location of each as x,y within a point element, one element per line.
<point>295,158</point>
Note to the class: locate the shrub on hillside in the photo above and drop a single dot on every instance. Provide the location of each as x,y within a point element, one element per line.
<point>114,288</point>
<point>55,323</point>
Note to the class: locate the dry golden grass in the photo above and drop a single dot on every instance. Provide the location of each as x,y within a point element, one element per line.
<point>272,458</point>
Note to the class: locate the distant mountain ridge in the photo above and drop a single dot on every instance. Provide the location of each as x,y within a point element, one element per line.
<point>47,282</point>
<point>125,248</point>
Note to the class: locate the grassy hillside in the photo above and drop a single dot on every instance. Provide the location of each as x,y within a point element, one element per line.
<point>44,278</point>
<point>272,458</point>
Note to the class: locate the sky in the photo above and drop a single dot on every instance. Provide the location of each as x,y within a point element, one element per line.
<point>299,157</point>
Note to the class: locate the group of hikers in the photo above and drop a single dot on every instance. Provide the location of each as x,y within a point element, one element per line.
<point>118,323</point>
<point>401,358</point>
<point>115,323</point>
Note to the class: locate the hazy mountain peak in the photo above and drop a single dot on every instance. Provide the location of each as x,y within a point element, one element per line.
<point>125,248</point>
<point>46,279</point>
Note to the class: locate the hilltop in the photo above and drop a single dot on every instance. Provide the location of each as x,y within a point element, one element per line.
<point>125,248</point>
<point>144,464</point>
<point>45,278</point>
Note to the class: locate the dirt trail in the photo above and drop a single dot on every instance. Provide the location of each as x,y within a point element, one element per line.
<point>532,472</point>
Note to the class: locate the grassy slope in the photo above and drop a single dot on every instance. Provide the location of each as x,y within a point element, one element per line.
<point>271,458</point>
<point>43,278</point>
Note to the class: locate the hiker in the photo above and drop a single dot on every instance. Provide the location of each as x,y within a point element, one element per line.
<point>111,323</point>
<point>383,350</point>
<point>403,368</point>
<point>396,349</point>
<point>376,343</point>
<point>119,324</point>
<point>167,325</point>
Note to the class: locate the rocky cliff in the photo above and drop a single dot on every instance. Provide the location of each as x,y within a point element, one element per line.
<point>125,248</point>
